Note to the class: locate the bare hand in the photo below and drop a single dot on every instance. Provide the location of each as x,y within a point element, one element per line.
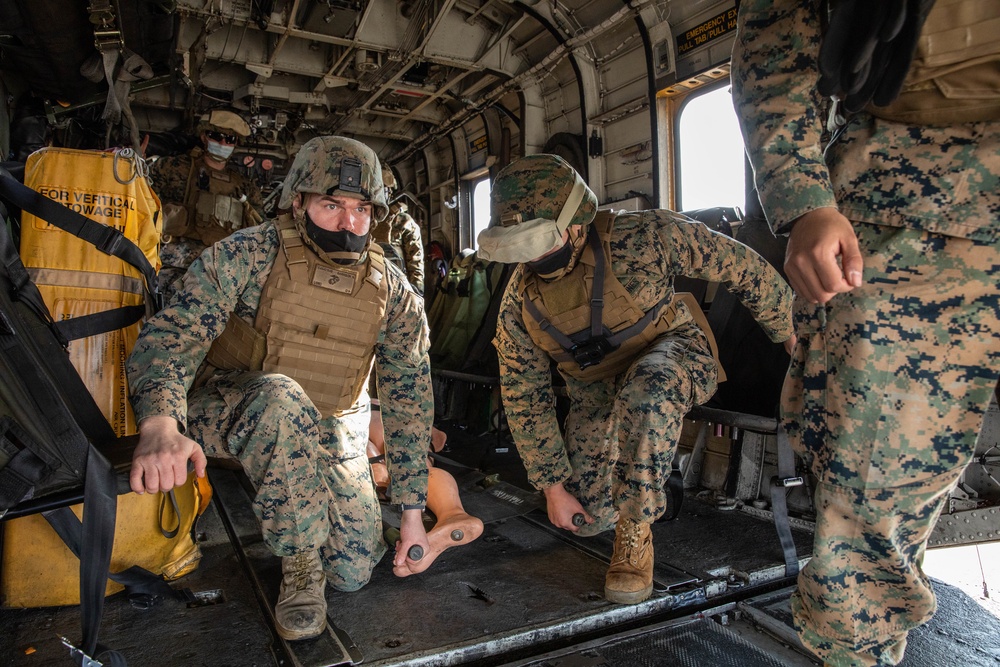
<point>562,506</point>
<point>818,240</point>
<point>790,343</point>
<point>161,458</point>
<point>411,532</point>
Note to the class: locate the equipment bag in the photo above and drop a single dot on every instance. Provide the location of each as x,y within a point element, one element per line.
<point>39,570</point>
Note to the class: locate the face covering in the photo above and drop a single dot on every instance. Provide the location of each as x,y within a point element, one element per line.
<point>551,264</point>
<point>333,242</point>
<point>218,151</point>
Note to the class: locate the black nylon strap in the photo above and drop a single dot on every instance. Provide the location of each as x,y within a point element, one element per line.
<point>651,314</point>
<point>545,325</point>
<point>597,293</point>
<point>106,239</point>
<point>102,322</point>
<point>779,507</point>
<point>91,546</point>
<point>48,376</point>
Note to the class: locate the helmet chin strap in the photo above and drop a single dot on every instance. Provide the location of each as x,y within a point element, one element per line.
<point>572,204</point>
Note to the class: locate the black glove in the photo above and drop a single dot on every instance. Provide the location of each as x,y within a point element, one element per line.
<point>867,49</point>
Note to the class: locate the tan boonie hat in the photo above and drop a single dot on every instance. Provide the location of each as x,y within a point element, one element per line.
<point>533,201</point>
<point>336,166</point>
<point>227,120</point>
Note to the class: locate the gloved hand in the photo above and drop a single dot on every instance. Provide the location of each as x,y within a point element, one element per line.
<point>867,49</point>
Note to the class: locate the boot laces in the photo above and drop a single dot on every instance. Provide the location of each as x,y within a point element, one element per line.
<point>301,571</point>
<point>630,534</point>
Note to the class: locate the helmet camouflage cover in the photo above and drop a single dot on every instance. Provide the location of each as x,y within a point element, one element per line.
<point>533,201</point>
<point>388,177</point>
<point>336,166</point>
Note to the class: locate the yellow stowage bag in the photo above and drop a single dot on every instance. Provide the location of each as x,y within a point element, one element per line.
<point>39,570</point>
<point>77,279</point>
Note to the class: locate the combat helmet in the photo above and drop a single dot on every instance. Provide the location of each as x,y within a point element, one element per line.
<point>533,201</point>
<point>336,166</point>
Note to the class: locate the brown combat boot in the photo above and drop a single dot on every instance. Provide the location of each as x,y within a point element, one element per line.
<point>301,609</point>
<point>630,577</point>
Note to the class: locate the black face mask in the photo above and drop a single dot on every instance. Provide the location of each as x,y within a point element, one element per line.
<point>342,241</point>
<point>552,263</point>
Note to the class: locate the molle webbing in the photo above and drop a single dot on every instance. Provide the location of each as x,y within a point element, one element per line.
<point>217,213</point>
<point>623,324</point>
<point>322,321</point>
<point>239,348</point>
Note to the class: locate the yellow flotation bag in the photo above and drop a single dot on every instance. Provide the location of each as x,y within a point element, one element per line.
<point>76,280</point>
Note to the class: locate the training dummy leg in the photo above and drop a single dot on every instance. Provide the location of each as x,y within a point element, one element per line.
<point>454,527</point>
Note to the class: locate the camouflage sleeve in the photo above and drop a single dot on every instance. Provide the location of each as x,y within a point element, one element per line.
<point>774,75</point>
<point>528,399</point>
<point>696,251</point>
<point>403,376</point>
<point>226,278</point>
<point>413,253</point>
<point>168,178</point>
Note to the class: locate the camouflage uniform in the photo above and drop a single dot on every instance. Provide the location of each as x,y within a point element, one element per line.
<point>314,488</point>
<point>168,177</point>
<point>621,432</point>
<point>890,381</point>
<point>402,233</point>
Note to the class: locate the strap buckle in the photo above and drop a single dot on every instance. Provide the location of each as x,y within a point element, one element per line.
<point>111,240</point>
<point>591,352</point>
<point>81,658</point>
<point>787,482</point>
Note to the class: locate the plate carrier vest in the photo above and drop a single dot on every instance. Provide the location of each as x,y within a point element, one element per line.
<point>605,335</point>
<point>208,216</point>
<point>317,323</point>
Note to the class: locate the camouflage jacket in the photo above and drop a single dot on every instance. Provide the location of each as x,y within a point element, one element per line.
<point>401,231</point>
<point>937,179</point>
<point>649,250</point>
<point>228,278</point>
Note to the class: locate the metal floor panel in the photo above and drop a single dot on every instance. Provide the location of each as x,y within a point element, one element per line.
<point>698,643</point>
<point>523,587</point>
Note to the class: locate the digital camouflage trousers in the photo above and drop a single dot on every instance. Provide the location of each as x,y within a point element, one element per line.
<point>313,481</point>
<point>621,433</point>
<point>885,398</point>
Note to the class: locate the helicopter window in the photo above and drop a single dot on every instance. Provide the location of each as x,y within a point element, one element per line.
<point>480,208</point>
<point>711,163</point>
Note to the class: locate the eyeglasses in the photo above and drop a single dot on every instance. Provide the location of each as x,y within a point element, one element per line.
<point>219,136</point>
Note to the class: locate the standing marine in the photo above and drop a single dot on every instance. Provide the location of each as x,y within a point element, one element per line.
<point>264,357</point>
<point>594,293</point>
<point>400,237</point>
<point>893,226</point>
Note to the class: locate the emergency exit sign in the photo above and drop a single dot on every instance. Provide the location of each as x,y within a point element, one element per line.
<point>706,31</point>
